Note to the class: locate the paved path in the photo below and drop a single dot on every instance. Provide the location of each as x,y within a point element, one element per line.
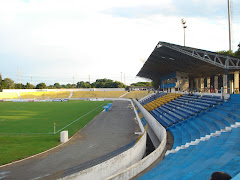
<point>106,133</point>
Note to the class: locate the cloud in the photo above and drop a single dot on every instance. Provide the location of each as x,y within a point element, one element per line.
<point>62,39</point>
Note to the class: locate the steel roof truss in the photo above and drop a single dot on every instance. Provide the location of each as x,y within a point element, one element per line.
<point>217,60</point>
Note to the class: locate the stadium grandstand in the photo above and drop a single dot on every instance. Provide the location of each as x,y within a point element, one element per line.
<point>192,121</point>
<point>97,94</point>
<point>180,68</point>
<point>8,95</point>
<point>198,104</point>
<point>137,94</point>
<point>44,95</point>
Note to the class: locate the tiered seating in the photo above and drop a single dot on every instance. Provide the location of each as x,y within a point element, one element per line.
<point>137,94</point>
<point>143,120</point>
<point>194,155</point>
<point>182,108</point>
<point>44,95</point>
<point>8,95</point>
<point>97,94</point>
<point>159,101</point>
<point>152,98</point>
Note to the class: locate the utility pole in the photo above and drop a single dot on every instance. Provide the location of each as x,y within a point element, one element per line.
<point>121,76</point>
<point>230,25</point>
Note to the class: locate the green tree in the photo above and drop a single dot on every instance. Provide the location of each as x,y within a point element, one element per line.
<point>73,86</point>
<point>19,86</point>
<point>41,86</point>
<point>142,84</point>
<point>50,87</point>
<point>8,83</point>
<point>80,84</point>
<point>237,53</point>
<point>29,86</point>
<point>230,53</point>
<point>107,83</point>
<point>57,86</point>
<point>68,86</point>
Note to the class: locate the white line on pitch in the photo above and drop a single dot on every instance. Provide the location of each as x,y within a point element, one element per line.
<point>79,118</point>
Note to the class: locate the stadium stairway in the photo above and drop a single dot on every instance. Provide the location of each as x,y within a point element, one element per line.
<point>203,144</point>
<point>70,96</point>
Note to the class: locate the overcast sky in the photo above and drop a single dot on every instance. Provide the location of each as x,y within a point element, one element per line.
<point>55,40</point>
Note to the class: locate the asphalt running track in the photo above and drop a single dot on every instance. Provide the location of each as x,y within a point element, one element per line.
<point>101,139</point>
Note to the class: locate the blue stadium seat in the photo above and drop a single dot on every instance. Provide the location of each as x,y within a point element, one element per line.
<point>219,153</point>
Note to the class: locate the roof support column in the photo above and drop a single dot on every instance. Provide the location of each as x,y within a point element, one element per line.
<point>196,84</point>
<point>191,84</point>
<point>216,84</point>
<point>225,83</point>
<point>236,82</point>
<point>202,84</point>
<point>208,84</point>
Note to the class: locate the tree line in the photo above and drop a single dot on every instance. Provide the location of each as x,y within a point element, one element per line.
<point>8,83</point>
<point>231,53</point>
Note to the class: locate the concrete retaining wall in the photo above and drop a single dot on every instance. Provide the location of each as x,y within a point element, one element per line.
<point>115,164</point>
<point>140,166</point>
<point>158,129</point>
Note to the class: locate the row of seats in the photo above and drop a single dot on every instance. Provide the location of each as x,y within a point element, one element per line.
<point>157,102</point>
<point>137,94</point>
<point>152,98</point>
<point>44,95</point>
<point>182,108</point>
<point>8,95</point>
<point>219,153</point>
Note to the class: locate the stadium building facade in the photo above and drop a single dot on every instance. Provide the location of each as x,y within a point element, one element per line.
<point>183,69</point>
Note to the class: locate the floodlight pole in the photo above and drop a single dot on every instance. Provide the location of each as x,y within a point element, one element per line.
<point>229,26</point>
<point>184,35</point>
<point>184,27</point>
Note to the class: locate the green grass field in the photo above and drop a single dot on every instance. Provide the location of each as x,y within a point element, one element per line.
<point>27,128</point>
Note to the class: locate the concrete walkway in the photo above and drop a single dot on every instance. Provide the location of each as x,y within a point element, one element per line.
<point>106,133</point>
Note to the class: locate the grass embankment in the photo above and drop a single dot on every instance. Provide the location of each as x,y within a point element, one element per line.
<point>26,128</point>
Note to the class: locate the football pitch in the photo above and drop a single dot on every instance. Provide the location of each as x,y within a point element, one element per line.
<point>27,128</point>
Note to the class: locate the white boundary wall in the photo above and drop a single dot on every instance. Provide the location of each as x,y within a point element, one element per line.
<point>137,168</point>
<point>57,90</point>
<point>115,164</point>
<point>158,129</point>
